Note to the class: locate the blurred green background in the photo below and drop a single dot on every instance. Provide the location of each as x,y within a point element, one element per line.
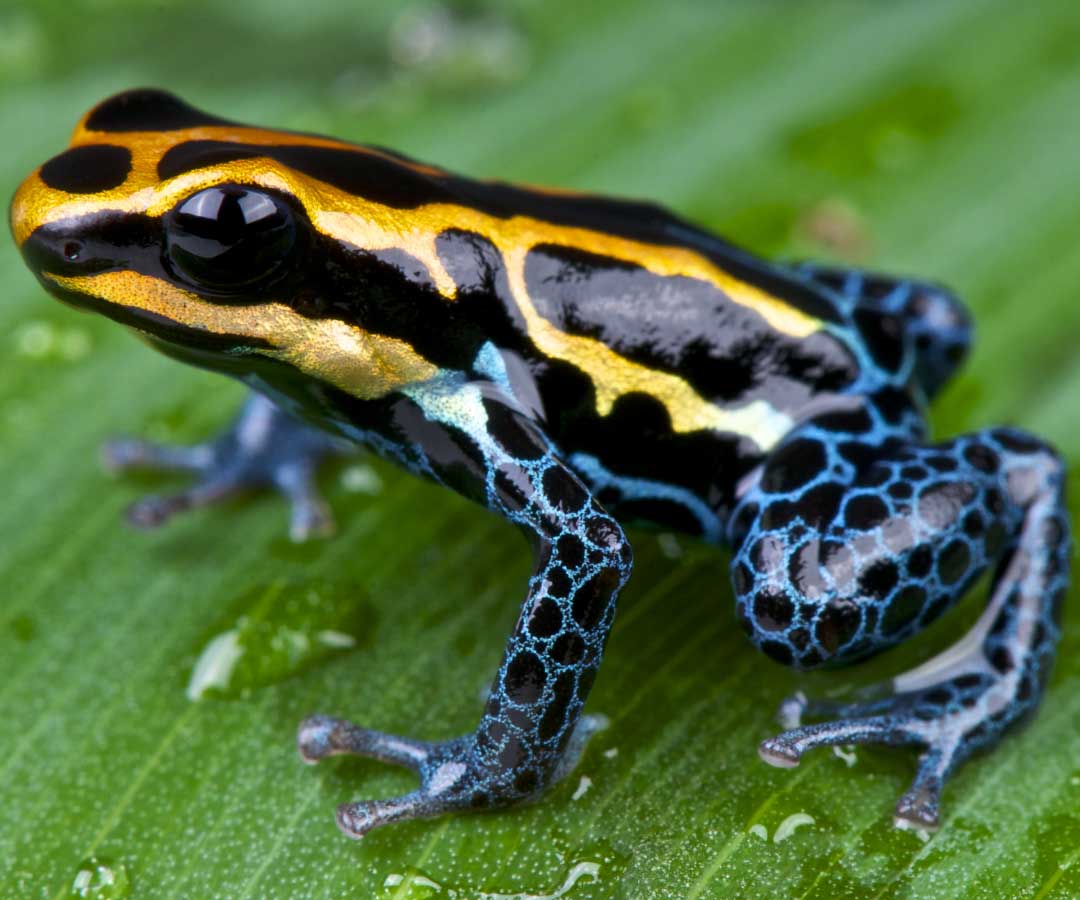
<point>940,138</point>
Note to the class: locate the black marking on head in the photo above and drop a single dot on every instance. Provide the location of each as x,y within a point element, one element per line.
<point>87,169</point>
<point>147,109</point>
<point>682,325</point>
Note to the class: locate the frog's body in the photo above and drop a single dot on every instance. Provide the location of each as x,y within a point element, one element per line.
<point>569,361</point>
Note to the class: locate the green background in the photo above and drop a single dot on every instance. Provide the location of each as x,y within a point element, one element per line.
<point>938,138</point>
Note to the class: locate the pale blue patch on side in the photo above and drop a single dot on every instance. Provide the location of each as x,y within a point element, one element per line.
<point>490,364</point>
<point>599,477</point>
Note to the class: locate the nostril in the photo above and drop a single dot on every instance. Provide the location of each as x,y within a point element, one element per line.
<point>72,250</point>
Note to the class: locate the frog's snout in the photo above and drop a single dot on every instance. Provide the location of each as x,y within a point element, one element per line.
<point>58,250</point>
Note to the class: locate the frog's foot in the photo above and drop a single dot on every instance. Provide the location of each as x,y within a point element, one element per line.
<point>263,447</point>
<point>454,775</point>
<point>948,719</point>
<point>444,769</point>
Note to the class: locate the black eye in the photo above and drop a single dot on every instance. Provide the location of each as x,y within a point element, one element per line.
<point>229,237</point>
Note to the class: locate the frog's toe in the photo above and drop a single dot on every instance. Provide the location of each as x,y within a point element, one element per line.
<point>263,448</point>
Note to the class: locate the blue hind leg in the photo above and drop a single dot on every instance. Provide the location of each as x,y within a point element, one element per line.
<point>848,546</point>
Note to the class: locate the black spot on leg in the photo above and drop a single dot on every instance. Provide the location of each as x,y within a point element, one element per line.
<point>837,624</point>
<point>904,609</point>
<point>571,550</point>
<point>545,619</point>
<point>879,579</point>
<point>953,562</point>
<point>593,597</point>
<point>864,511</point>
<point>772,610</point>
<point>525,678</point>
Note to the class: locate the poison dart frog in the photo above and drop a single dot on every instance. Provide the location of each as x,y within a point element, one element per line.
<point>572,362</point>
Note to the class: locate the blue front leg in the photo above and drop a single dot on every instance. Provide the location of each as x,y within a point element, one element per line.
<point>263,447</point>
<point>476,440</point>
<point>854,541</point>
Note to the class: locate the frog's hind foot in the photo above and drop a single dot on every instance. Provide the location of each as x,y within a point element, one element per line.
<point>263,447</point>
<point>950,720</point>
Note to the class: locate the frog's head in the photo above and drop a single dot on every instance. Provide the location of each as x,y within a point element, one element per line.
<point>215,240</point>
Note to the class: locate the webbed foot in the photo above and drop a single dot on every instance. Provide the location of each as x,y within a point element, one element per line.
<point>949,719</point>
<point>263,447</point>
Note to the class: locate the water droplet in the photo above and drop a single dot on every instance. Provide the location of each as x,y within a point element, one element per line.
<point>847,754</point>
<point>279,630</point>
<point>669,545</point>
<point>787,828</point>
<point>39,339</point>
<point>361,479</point>
<point>102,879</point>
<point>412,884</point>
<point>583,786</point>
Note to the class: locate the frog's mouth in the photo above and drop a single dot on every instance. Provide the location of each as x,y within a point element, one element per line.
<point>77,293</point>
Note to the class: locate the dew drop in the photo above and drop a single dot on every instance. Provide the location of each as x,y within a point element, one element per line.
<point>276,631</point>
<point>99,878</point>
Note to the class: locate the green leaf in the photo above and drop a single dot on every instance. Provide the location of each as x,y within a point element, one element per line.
<point>936,138</point>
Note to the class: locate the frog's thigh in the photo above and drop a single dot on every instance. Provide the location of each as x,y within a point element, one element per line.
<point>848,547</point>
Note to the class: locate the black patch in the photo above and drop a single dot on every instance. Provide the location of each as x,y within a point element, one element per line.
<point>87,169</point>
<point>684,326</point>
<point>883,336</point>
<point>864,512</point>
<point>837,624</point>
<point>571,550</point>
<point>879,579</point>
<point>903,609</point>
<point>920,562</point>
<point>794,464</point>
<point>982,458</point>
<point>568,649</point>
<point>147,109</point>
<point>819,505</point>
<point>953,562</point>
<point>593,598</point>
<point>772,610</point>
<point>544,619</point>
<point>525,678</point>
<point>845,421</point>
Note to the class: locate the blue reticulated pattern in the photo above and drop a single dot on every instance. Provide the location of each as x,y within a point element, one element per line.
<point>500,457</point>
<point>852,542</point>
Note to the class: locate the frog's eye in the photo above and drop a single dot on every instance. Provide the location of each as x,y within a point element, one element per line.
<point>228,237</point>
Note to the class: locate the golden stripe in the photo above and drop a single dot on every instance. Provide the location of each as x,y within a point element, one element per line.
<point>365,365</point>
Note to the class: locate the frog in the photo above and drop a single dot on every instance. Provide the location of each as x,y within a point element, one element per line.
<point>576,364</point>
